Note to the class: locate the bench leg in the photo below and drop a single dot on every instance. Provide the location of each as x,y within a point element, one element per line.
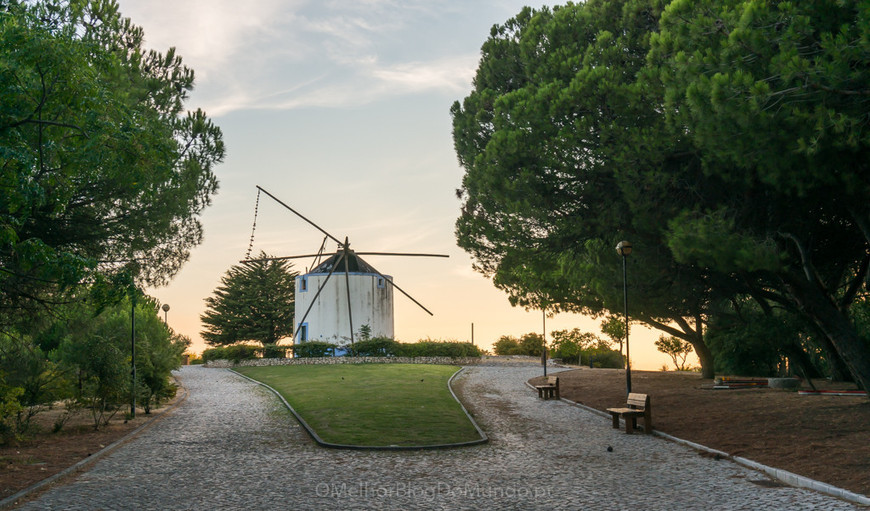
<point>630,424</point>
<point>615,420</point>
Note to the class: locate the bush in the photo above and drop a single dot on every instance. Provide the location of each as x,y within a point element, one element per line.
<point>314,349</point>
<point>432,348</point>
<point>531,344</point>
<point>274,351</point>
<point>602,356</point>
<point>506,345</point>
<point>374,347</point>
<point>234,353</point>
<point>569,344</point>
<point>211,354</point>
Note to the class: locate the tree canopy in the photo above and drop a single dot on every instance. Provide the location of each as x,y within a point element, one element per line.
<point>102,171</point>
<point>255,302</point>
<point>726,140</point>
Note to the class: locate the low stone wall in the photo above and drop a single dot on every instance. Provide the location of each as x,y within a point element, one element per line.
<point>461,361</point>
<point>346,360</point>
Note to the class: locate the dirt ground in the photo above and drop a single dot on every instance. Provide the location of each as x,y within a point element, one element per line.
<point>826,438</point>
<point>43,453</point>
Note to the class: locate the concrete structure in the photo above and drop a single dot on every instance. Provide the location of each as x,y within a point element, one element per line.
<point>371,301</point>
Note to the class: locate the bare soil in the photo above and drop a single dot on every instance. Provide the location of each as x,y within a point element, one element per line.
<point>826,438</point>
<point>42,453</point>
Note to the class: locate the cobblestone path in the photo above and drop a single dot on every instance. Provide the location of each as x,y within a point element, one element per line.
<point>230,445</point>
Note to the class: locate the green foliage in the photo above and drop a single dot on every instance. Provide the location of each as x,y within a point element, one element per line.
<point>506,345</point>
<point>675,348</point>
<point>374,347</point>
<point>602,355</point>
<point>103,174</point>
<point>103,369</point>
<point>313,349</point>
<point>569,345</point>
<point>274,351</point>
<point>566,152</point>
<point>784,130</point>
<point>10,408</point>
<point>744,350</point>
<point>255,302</point>
<point>234,353</point>
<point>530,344</point>
<point>27,367</point>
<point>614,328</point>
<point>435,348</point>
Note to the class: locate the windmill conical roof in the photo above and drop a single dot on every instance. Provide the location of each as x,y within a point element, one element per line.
<point>355,264</point>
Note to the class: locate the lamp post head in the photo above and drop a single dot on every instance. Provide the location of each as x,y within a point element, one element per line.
<point>165,307</point>
<point>623,248</point>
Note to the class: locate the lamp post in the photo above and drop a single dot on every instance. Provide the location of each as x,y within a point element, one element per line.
<point>133,354</point>
<point>623,248</point>
<point>165,313</point>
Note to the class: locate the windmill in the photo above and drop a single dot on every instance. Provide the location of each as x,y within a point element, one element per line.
<point>327,302</point>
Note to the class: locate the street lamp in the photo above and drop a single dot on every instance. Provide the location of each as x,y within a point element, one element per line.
<point>165,312</point>
<point>623,248</point>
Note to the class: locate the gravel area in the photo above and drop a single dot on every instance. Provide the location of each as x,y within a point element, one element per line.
<point>231,445</point>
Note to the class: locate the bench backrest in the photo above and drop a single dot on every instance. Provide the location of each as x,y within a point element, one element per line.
<point>636,400</point>
<point>553,380</point>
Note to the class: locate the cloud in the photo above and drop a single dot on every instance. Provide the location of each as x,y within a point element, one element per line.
<point>282,54</point>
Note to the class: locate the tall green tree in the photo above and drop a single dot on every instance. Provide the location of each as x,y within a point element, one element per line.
<point>102,171</point>
<point>774,97</point>
<point>561,140</point>
<point>255,302</point>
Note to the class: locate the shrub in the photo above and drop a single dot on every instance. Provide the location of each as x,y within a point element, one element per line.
<point>506,345</point>
<point>234,353</point>
<point>239,352</point>
<point>275,351</point>
<point>531,344</point>
<point>602,356</point>
<point>569,344</point>
<point>433,348</point>
<point>374,347</point>
<point>313,349</point>
<point>211,354</point>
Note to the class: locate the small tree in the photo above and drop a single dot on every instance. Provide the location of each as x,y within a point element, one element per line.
<point>614,328</point>
<point>506,345</point>
<point>675,348</point>
<point>255,302</point>
<point>568,345</point>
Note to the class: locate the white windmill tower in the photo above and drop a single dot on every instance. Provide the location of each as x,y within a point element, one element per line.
<point>342,291</point>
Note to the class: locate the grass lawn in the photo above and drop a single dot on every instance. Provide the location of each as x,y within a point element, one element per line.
<point>372,404</point>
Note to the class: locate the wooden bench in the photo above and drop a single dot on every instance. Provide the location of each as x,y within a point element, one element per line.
<point>637,405</point>
<point>550,389</point>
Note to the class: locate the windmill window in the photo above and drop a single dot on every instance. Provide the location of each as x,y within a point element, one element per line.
<point>303,332</point>
<point>381,282</point>
<point>303,284</point>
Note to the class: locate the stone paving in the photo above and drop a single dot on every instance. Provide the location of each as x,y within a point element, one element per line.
<point>231,445</point>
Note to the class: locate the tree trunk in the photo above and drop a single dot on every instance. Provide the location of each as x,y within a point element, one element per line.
<point>820,308</point>
<point>694,336</point>
<point>708,370</point>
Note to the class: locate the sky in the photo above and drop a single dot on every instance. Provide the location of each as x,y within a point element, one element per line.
<point>341,109</point>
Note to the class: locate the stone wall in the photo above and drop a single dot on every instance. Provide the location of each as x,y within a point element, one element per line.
<point>462,361</point>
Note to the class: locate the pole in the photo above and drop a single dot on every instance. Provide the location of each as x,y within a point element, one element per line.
<point>133,357</point>
<point>472,334</point>
<point>627,355</point>
<point>544,354</point>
